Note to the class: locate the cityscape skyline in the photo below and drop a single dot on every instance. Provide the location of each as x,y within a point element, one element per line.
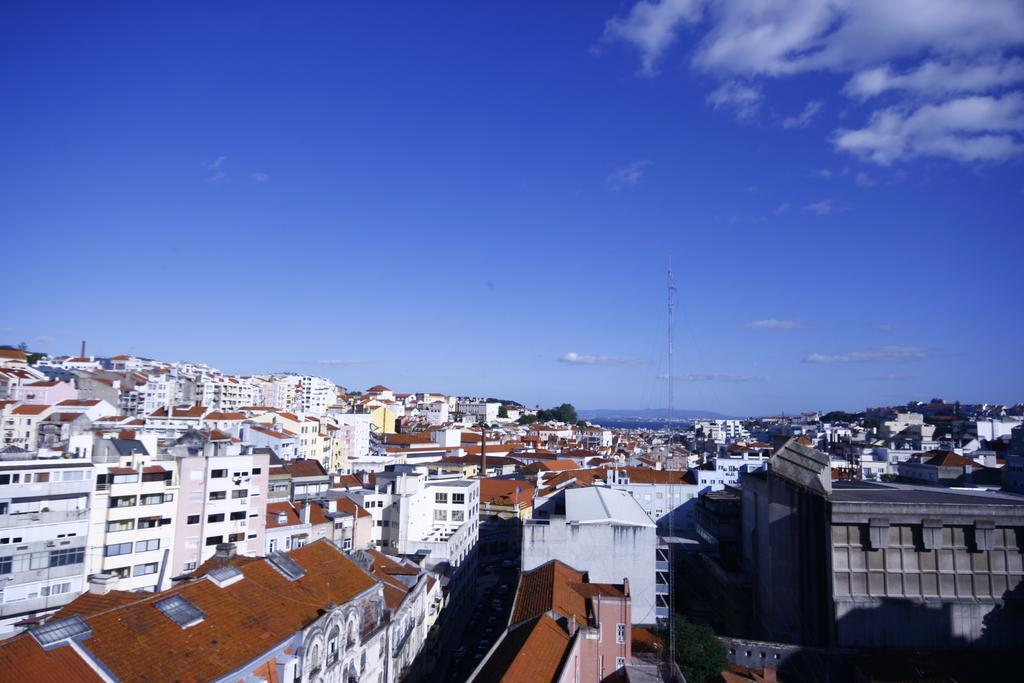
<point>347,193</point>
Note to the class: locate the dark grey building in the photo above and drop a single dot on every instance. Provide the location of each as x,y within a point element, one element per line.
<point>859,564</point>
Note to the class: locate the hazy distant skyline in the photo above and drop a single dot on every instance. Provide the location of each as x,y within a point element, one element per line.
<point>484,199</point>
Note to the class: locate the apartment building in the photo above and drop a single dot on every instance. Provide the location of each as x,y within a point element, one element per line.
<point>222,498</point>
<point>563,628</point>
<point>606,531</point>
<point>44,529</point>
<point>21,424</point>
<point>134,515</point>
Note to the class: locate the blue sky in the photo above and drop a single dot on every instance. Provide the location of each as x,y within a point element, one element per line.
<point>484,197</point>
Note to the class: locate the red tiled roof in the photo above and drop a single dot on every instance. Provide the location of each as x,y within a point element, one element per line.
<point>305,468</point>
<point>30,409</point>
<point>548,589</point>
<point>533,652</point>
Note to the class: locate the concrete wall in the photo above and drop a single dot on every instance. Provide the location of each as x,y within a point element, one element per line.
<point>608,552</point>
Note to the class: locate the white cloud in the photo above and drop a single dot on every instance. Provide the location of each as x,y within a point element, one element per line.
<point>886,327</point>
<point>628,175</point>
<point>44,339</point>
<point>775,37</point>
<point>573,358</point>
<point>261,177</point>
<point>713,377</point>
<point>825,173</point>
<point>773,324</point>
<point>743,99</point>
<point>975,128</point>
<point>215,168</point>
<point>933,78</point>
<point>340,361</point>
<point>781,208</point>
<point>882,354</point>
<point>804,117</point>
<point>651,26</point>
<point>920,51</point>
<point>822,208</point>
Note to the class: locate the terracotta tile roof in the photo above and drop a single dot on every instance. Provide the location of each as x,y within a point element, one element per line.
<point>83,402</point>
<point>548,588</point>
<point>34,409</point>
<point>386,569</point>
<point>305,468</point>
<point>551,466</point>
<point>348,481</point>
<point>13,354</point>
<point>947,459</point>
<point>23,659</point>
<point>351,507</point>
<point>274,512</point>
<point>217,415</point>
<point>503,491</point>
<point>533,652</point>
<point>136,642</point>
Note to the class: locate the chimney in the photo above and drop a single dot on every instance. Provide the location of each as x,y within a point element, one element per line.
<point>82,354</point>
<point>101,584</point>
<point>305,512</point>
<point>625,586</point>
<point>225,551</point>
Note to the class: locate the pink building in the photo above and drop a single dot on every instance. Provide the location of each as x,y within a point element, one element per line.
<point>222,499</point>
<point>44,392</point>
<point>562,628</point>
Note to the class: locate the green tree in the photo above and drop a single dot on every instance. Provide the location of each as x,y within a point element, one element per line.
<point>502,411</point>
<point>698,651</point>
<point>527,420</point>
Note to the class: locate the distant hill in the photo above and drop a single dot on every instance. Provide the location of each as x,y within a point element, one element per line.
<point>648,414</point>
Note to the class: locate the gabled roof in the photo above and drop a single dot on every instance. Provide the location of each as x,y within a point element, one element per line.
<point>532,652</point>
<point>305,468</point>
<point>135,641</point>
<point>30,409</point>
<point>947,459</point>
<point>548,588</point>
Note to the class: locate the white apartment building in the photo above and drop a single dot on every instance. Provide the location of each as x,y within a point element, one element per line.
<point>134,513</point>
<point>21,425</point>
<point>476,410</point>
<point>722,431</point>
<point>222,499</point>
<point>225,393</point>
<point>361,422</point>
<point>44,529</point>
<point>315,394</point>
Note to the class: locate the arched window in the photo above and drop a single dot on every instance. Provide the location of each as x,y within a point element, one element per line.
<point>351,639</point>
<point>333,644</point>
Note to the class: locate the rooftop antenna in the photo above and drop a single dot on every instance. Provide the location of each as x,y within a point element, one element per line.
<point>671,295</point>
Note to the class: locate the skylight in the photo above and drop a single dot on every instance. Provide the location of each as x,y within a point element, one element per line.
<point>180,611</point>
<point>285,565</point>
<point>55,632</point>
<point>223,577</point>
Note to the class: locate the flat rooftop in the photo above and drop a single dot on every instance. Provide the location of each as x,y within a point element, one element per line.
<point>874,492</point>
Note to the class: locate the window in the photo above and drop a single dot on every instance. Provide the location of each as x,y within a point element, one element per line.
<point>347,544</point>
<point>122,501</point>
<point>440,515</point>
<point>42,477</point>
<point>440,497</point>
<point>5,565</point>
<point>117,549</point>
<point>458,498</point>
<point>257,470</point>
<point>148,522</point>
<point>238,515</point>
<point>218,495</point>
<point>620,662</point>
<point>61,558</point>
<point>213,519</point>
<point>193,519</point>
<point>154,499</point>
<point>121,572</point>
<point>55,589</point>
<point>218,474</point>
<point>144,569</point>
<point>143,546</point>
<point>214,540</point>
<point>79,475</point>
<point>189,566</point>
<point>235,538</point>
<point>620,633</point>
<point>118,478</point>
<point>458,516</point>
<point>121,525</point>
<point>240,493</point>
<point>5,479</point>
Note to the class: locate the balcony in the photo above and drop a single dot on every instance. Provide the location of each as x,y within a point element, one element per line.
<point>41,518</point>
